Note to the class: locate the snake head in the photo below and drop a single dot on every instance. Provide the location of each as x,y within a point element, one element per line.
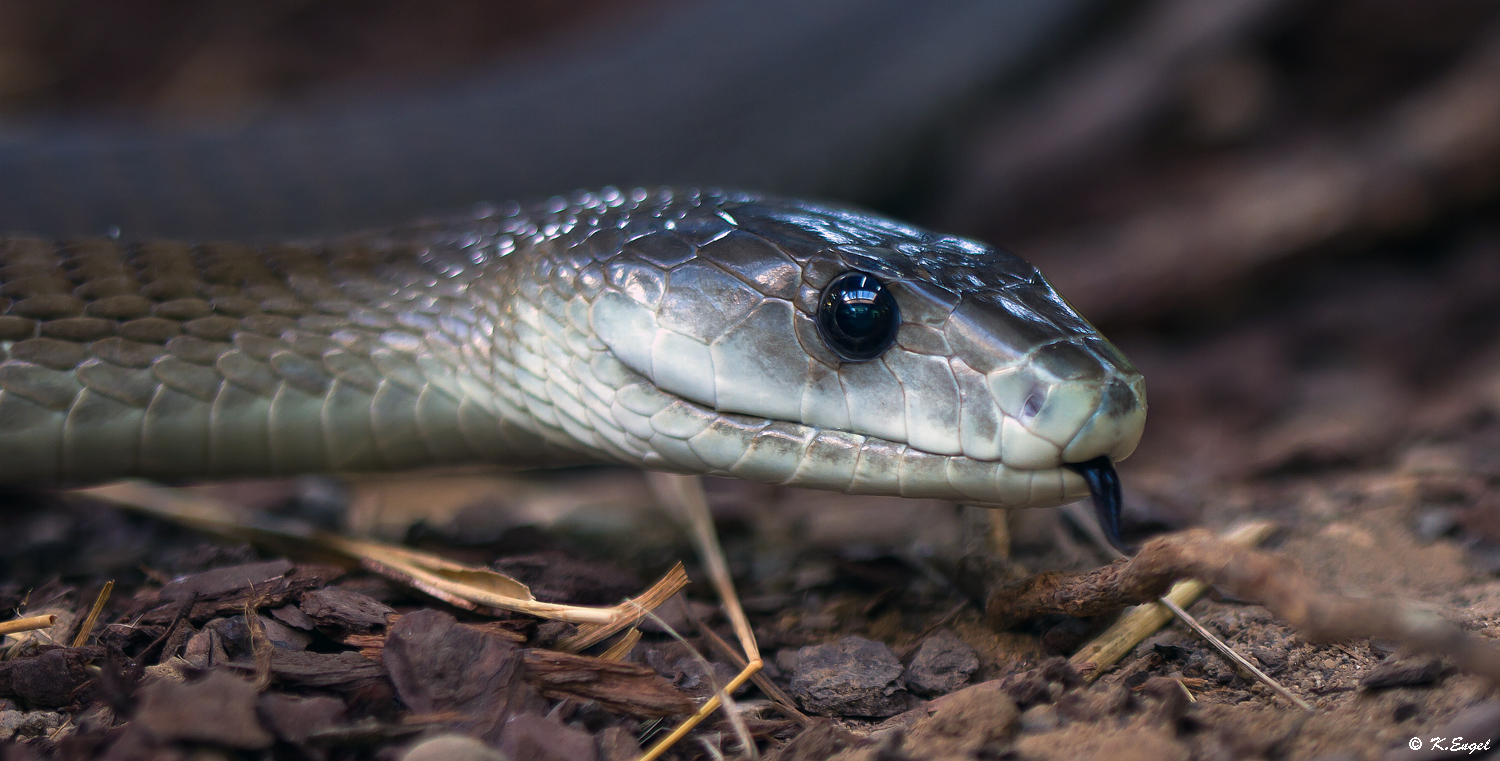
<point>826,347</point>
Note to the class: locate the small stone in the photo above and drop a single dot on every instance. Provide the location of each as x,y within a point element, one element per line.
<point>1039,718</point>
<point>1403,672</point>
<point>294,719</point>
<point>52,679</point>
<point>1270,660</point>
<point>22,724</point>
<point>219,709</point>
<point>1026,687</point>
<point>282,636</point>
<point>1435,523</point>
<point>541,738</point>
<point>943,664</point>
<point>963,722</point>
<point>292,616</point>
<point>786,660</point>
<point>851,677</point>
<point>452,748</point>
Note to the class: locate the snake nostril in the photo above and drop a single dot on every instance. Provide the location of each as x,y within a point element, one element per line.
<point>1118,398</point>
<point>1032,405</point>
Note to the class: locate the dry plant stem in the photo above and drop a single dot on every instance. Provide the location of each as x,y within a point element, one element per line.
<point>1248,574</point>
<point>779,698</point>
<point>665,744</point>
<point>723,695</point>
<point>93,617</point>
<point>1143,621</point>
<point>260,642</point>
<point>1186,691</point>
<point>636,608</point>
<point>619,650</point>
<point>1234,655</point>
<point>999,535</point>
<point>27,624</point>
<point>462,585</point>
<point>686,492</point>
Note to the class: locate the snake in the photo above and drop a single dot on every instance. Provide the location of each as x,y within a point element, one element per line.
<point>697,331</point>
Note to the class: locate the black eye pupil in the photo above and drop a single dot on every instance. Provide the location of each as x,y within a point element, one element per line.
<point>858,317</point>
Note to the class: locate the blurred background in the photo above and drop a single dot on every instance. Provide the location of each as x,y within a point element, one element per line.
<point>1281,209</point>
<point>1284,211</point>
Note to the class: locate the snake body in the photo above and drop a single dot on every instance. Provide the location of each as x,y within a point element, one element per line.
<point>666,328</point>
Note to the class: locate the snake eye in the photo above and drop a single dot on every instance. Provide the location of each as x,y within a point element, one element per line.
<point>857,317</point>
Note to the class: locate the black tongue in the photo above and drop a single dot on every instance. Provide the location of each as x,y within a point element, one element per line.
<point>1104,487</point>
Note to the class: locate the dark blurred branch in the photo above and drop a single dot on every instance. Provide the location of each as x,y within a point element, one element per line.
<point>1098,105</point>
<point>1248,574</point>
<point>1438,147</point>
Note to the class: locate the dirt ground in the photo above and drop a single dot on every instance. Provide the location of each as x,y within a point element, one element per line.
<point>1291,231</point>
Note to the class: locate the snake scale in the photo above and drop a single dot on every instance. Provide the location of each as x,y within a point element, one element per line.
<point>708,332</point>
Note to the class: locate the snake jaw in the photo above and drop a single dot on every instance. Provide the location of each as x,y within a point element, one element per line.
<point>1104,486</point>
<point>992,384</point>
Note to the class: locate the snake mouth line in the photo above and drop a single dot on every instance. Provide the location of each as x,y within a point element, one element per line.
<point>1104,486</point>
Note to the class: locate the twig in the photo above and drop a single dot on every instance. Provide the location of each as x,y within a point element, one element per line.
<point>1138,624</point>
<point>663,745</point>
<point>1234,655</point>
<point>619,650</point>
<point>87,628</point>
<point>462,585</point>
<point>1183,594</point>
<point>1437,147</point>
<point>723,697</point>
<point>634,609</point>
<point>779,698</point>
<point>1248,535</point>
<point>1186,691</point>
<point>260,642</point>
<point>1197,553</point>
<point>29,624</point>
<point>686,492</point>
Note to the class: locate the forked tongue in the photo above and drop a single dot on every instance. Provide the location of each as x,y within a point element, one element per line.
<point>1104,487</point>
